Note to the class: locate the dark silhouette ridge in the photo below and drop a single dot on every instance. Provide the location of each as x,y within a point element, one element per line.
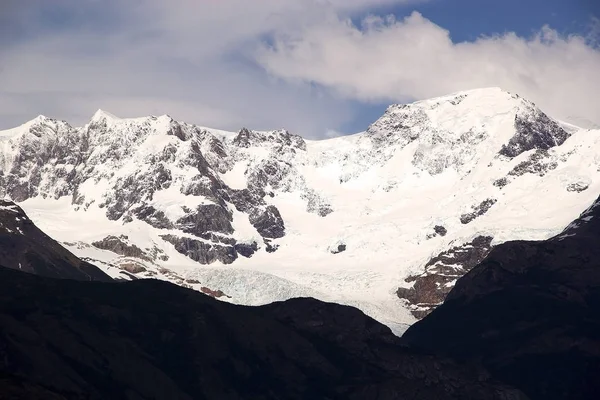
<point>25,247</point>
<point>150,339</point>
<point>529,313</point>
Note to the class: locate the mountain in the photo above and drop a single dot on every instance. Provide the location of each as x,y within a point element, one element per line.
<point>147,339</point>
<point>385,220</point>
<point>24,247</point>
<point>529,314</point>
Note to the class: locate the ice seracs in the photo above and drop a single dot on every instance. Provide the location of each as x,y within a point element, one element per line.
<point>268,210</point>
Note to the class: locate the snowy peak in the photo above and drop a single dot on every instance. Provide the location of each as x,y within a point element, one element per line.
<point>460,129</point>
<point>102,115</point>
<point>37,127</point>
<point>534,130</point>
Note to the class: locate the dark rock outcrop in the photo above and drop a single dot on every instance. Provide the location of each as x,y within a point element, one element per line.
<point>535,130</point>
<point>246,249</point>
<point>440,230</point>
<point>441,273</point>
<point>120,245</point>
<point>577,187</point>
<point>338,249</point>
<point>248,138</point>
<point>217,294</point>
<point>501,182</point>
<point>270,247</point>
<point>539,163</point>
<point>268,222</point>
<point>206,218</point>
<point>24,247</point>
<point>529,314</point>
<point>478,211</point>
<point>201,251</point>
<point>132,267</point>
<point>147,339</point>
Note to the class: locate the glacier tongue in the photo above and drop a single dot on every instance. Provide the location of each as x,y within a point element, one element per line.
<point>262,216</point>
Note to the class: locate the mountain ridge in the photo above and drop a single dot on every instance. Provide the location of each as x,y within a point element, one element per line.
<point>349,219</point>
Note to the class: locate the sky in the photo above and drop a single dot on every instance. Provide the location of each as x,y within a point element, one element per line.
<point>319,68</point>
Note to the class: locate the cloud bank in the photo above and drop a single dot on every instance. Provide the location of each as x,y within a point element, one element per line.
<point>388,60</point>
<point>299,64</point>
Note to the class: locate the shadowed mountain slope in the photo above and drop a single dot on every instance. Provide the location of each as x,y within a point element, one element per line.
<point>24,247</point>
<point>529,313</point>
<point>149,339</point>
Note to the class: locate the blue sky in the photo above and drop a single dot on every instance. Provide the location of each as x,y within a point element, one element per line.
<point>468,19</point>
<point>317,67</point>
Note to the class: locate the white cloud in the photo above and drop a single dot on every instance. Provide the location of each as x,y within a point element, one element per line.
<point>187,58</point>
<point>388,60</point>
<point>196,60</point>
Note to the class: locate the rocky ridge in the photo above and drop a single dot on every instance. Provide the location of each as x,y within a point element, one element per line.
<point>422,179</point>
<point>431,287</point>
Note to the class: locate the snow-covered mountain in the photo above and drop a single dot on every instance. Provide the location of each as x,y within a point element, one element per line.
<point>385,220</point>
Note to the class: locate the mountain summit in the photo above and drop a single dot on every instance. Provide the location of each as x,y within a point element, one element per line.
<point>385,220</point>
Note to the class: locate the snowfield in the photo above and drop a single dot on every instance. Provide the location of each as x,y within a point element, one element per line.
<point>359,212</point>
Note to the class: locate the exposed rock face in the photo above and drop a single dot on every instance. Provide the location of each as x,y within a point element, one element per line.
<point>203,252</point>
<point>539,163</point>
<point>441,273</point>
<point>282,138</point>
<point>535,130</point>
<point>338,248</point>
<point>52,158</point>
<point>577,187</point>
<point>26,248</point>
<point>268,223</point>
<point>270,247</point>
<point>397,125</point>
<point>120,246</point>
<point>501,182</point>
<point>246,249</point>
<point>437,150</point>
<point>208,218</point>
<point>66,340</point>
<point>133,256</point>
<point>217,294</point>
<point>478,211</point>
<point>132,267</point>
<point>440,230</point>
<point>529,313</point>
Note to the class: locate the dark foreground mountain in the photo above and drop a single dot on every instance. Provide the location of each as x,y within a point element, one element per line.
<point>146,339</point>
<point>24,247</point>
<point>529,313</point>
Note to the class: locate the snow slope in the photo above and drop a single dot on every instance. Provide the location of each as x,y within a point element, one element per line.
<point>264,216</point>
